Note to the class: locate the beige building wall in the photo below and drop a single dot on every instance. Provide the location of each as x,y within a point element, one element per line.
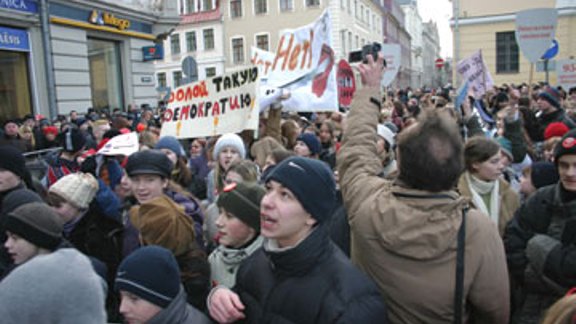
<point>479,32</point>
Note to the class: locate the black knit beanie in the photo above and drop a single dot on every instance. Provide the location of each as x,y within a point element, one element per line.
<point>311,181</point>
<point>37,223</point>
<point>11,159</point>
<point>243,201</point>
<point>566,146</point>
<point>151,273</point>
<point>18,198</point>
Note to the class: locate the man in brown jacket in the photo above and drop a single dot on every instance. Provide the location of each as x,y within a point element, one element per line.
<point>404,233</point>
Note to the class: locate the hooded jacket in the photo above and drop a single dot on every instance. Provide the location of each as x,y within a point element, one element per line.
<point>406,239</point>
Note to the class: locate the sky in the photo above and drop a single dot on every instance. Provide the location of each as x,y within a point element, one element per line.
<point>439,11</point>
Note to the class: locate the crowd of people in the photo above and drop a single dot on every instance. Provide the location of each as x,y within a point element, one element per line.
<point>398,209</point>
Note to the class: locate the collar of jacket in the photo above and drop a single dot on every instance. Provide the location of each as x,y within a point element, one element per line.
<point>175,312</point>
<point>233,257</point>
<point>301,259</point>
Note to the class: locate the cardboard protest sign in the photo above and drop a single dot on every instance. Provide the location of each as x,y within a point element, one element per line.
<point>474,70</point>
<point>304,65</point>
<point>124,144</point>
<point>218,105</point>
<point>535,29</point>
<point>566,73</point>
<point>392,56</point>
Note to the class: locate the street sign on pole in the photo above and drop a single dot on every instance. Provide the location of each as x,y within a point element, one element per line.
<point>439,63</point>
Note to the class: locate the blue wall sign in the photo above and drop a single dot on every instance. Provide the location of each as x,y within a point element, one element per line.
<point>14,39</point>
<point>155,52</point>
<point>20,5</point>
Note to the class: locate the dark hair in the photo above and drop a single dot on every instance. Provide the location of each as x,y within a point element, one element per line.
<point>479,149</point>
<point>281,154</point>
<point>430,153</point>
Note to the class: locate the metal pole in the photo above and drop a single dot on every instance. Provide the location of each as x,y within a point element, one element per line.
<point>546,69</point>
<point>48,62</point>
<point>456,14</point>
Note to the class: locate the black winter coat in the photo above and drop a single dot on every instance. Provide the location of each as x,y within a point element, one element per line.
<point>313,282</point>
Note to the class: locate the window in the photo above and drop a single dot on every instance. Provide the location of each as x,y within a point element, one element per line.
<point>357,41</point>
<point>506,53</point>
<point>175,44</point>
<point>177,77</point>
<point>190,6</point>
<point>210,72</point>
<point>208,39</point>
<point>237,50</point>
<point>312,3</point>
<point>161,79</point>
<point>235,8</point>
<point>260,7</point>
<point>361,12</point>
<point>343,41</point>
<point>349,7</point>
<point>350,41</point>
<point>207,5</point>
<point>105,73</point>
<point>191,42</point>
<point>262,42</point>
<point>286,5</point>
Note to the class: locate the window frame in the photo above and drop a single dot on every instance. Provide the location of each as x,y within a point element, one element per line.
<point>174,37</point>
<point>507,49</point>
<point>233,50</point>
<point>213,41</point>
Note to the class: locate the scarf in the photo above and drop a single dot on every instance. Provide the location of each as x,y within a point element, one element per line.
<point>479,188</point>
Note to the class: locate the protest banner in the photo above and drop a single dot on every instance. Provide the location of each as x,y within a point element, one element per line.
<point>303,64</point>
<point>566,73</point>
<point>217,105</point>
<point>535,29</point>
<point>124,144</point>
<point>474,70</point>
<point>392,56</point>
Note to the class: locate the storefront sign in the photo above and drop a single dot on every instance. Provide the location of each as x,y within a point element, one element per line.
<point>150,53</point>
<point>108,19</point>
<point>14,39</point>
<point>20,5</point>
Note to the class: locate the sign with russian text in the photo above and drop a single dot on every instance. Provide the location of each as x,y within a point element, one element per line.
<point>303,64</point>
<point>535,30</point>
<point>566,73</point>
<point>20,5</point>
<point>14,39</point>
<point>474,70</point>
<point>124,144</point>
<point>217,105</point>
<point>392,56</point>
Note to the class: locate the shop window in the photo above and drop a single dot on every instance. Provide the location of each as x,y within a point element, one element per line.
<point>14,85</point>
<point>105,74</point>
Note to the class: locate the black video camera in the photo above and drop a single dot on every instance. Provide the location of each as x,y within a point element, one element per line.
<point>361,55</point>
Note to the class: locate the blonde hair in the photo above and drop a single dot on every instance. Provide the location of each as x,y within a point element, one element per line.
<point>562,312</point>
<point>27,129</point>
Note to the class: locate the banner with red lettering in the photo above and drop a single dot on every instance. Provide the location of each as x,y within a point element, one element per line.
<point>566,73</point>
<point>304,65</point>
<point>217,105</point>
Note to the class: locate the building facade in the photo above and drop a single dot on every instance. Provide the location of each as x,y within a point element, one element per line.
<point>199,35</point>
<point>396,33</point>
<point>431,52</point>
<point>95,49</point>
<point>414,28</point>
<point>492,24</point>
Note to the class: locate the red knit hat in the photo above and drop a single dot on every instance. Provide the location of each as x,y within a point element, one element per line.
<point>556,129</point>
<point>50,130</point>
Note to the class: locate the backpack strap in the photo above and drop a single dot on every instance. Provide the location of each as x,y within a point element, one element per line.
<point>459,291</point>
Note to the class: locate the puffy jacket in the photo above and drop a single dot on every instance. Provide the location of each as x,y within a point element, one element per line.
<point>406,239</point>
<point>313,282</point>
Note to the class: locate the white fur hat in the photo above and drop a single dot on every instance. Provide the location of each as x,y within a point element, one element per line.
<point>386,134</point>
<point>76,188</point>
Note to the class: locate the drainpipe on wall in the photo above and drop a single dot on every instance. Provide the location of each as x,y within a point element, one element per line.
<point>48,62</point>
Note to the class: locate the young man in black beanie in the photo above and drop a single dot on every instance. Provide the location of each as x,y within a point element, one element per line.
<point>299,275</point>
<point>540,240</point>
<point>13,172</point>
<point>150,288</point>
<point>73,144</point>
